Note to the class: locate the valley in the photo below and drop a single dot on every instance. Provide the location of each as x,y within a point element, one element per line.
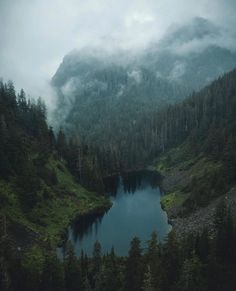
<point>123,177</point>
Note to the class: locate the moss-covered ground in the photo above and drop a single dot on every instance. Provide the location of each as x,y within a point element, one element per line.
<point>173,199</point>
<point>197,179</point>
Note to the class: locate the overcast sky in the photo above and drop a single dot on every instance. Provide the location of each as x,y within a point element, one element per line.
<point>36,34</point>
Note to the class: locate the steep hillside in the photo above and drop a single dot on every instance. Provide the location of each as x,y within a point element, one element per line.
<point>192,55</point>
<point>102,96</point>
<point>97,96</point>
<point>39,195</point>
<point>197,156</point>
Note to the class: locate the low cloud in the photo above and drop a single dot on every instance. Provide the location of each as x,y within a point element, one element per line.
<point>35,35</point>
<point>135,75</point>
<point>178,71</point>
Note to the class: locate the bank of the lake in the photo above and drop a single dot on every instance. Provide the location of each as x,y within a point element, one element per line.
<point>182,175</point>
<point>50,218</point>
<point>136,211</point>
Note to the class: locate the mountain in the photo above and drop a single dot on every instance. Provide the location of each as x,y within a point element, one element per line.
<point>171,109</point>
<point>102,96</point>
<point>193,54</point>
<point>197,29</point>
<point>88,84</point>
<point>195,138</point>
<point>191,141</point>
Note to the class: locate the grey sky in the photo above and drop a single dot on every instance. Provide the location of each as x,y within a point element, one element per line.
<point>36,34</point>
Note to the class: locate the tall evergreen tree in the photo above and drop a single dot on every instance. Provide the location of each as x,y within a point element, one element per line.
<point>72,270</point>
<point>153,259</point>
<point>134,267</point>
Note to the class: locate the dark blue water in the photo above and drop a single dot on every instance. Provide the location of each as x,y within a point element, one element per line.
<point>136,211</point>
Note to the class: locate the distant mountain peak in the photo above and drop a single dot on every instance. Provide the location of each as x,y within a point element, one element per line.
<point>197,31</point>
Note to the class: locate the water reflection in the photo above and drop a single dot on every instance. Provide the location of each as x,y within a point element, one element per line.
<point>131,181</point>
<point>85,226</point>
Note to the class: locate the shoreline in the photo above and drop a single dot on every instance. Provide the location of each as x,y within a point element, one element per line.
<point>26,234</point>
<point>192,221</point>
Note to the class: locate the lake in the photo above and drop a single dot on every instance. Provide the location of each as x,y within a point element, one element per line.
<point>136,211</point>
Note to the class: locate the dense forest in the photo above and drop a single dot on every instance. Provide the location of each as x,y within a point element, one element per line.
<point>204,122</point>
<point>42,173</point>
<point>118,145</point>
<point>27,142</point>
<point>129,131</point>
<point>115,101</point>
<point>197,263</point>
<point>40,189</point>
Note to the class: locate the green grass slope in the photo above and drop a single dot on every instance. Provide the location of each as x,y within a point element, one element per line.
<point>58,204</point>
<point>191,181</point>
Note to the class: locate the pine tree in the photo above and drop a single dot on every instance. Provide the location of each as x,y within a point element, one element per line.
<point>61,143</point>
<point>153,258</point>
<point>134,267</point>
<point>72,270</point>
<point>148,280</point>
<point>108,276</point>
<point>51,138</point>
<point>52,274</point>
<point>96,262</point>
<point>225,237</point>
<point>170,262</point>
<point>192,276</point>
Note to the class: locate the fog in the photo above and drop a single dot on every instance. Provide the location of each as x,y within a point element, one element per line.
<point>36,34</point>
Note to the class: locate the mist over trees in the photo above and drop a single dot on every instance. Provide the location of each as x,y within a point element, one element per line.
<point>205,120</point>
<point>115,103</point>
<point>204,123</point>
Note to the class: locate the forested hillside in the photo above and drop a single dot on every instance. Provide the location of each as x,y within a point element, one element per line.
<point>31,156</point>
<point>97,97</point>
<point>107,99</point>
<point>205,121</point>
<point>191,55</point>
<point>196,134</point>
<point>38,192</point>
<point>199,134</point>
<point>118,158</point>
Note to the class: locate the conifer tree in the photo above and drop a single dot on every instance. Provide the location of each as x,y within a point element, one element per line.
<point>72,270</point>
<point>134,267</point>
